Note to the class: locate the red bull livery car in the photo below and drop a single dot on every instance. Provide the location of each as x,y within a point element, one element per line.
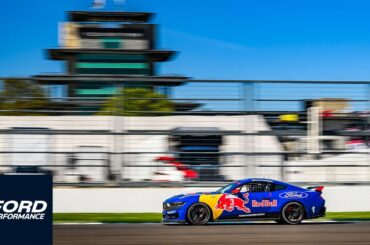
<point>247,199</point>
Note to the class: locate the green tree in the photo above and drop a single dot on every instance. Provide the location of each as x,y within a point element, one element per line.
<point>137,102</point>
<point>20,97</point>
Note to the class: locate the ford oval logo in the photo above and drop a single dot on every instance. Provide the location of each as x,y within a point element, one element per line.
<point>293,194</point>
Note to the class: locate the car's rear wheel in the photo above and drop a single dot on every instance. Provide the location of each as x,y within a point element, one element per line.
<point>292,213</point>
<point>199,214</point>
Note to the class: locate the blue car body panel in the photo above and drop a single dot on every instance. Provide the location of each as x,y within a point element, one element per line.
<point>246,205</point>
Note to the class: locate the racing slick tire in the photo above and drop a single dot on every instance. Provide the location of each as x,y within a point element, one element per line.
<point>198,214</point>
<point>292,214</point>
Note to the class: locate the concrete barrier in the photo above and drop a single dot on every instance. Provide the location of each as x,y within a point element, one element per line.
<point>140,200</point>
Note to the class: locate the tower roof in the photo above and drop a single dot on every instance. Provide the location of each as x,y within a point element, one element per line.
<point>95,16</point>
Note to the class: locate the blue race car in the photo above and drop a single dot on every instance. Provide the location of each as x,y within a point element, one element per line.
<point>245,200</point>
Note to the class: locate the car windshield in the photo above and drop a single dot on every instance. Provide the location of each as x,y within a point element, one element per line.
<point>228,188</point>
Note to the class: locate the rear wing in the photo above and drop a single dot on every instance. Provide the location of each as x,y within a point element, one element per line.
<point>316,188</point>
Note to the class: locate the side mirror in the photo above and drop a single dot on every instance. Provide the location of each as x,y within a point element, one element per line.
<point>235,191</point>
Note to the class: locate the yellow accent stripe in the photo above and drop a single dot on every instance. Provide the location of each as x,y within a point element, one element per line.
<point>211,200</point>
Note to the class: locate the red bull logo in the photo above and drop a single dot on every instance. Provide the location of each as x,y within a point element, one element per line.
<point>229,202</point>
<point>264,203</point>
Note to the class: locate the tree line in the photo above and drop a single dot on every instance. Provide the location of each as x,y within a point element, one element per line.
<point>22,97</point>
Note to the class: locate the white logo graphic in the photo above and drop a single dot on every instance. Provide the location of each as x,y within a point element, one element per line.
<point>293,194</point>
<point>23,210</point>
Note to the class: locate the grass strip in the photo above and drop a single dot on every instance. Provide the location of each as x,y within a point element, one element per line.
<point>343,216</point>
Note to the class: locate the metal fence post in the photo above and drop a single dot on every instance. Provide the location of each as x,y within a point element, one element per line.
<point>116,134</point>
<point>248,106</point>
<point>314,130</point>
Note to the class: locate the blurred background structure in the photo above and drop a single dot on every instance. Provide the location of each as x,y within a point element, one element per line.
<point>111,119</point>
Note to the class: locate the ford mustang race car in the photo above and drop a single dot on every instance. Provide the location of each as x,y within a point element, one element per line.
<point>247,199</point>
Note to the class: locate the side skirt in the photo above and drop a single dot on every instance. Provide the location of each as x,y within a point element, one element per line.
<point>248,217</point>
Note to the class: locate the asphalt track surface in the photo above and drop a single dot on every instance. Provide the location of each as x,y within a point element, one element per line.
<point>248,233</point>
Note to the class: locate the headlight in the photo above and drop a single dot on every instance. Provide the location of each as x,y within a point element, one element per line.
<point>172,205</point>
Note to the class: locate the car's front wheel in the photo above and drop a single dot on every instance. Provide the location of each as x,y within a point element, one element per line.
<point>292,213</point>
<point>199,214</point>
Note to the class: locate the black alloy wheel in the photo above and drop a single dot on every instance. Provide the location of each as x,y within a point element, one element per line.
<point>292,213</point>
<point>199,214</point>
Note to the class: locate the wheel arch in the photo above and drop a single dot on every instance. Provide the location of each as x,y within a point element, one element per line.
<point>295,201</point>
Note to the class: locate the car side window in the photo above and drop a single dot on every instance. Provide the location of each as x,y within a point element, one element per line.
<point>256,187</point>
<point>278,187</point>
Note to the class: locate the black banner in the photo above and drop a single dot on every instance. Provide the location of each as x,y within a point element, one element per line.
<point>26,209</point>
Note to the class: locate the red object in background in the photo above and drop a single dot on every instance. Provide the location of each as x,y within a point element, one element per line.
<point>326,113</point>
<point>188,173</point>
<point>355,142</point>
<point>165,158</point>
